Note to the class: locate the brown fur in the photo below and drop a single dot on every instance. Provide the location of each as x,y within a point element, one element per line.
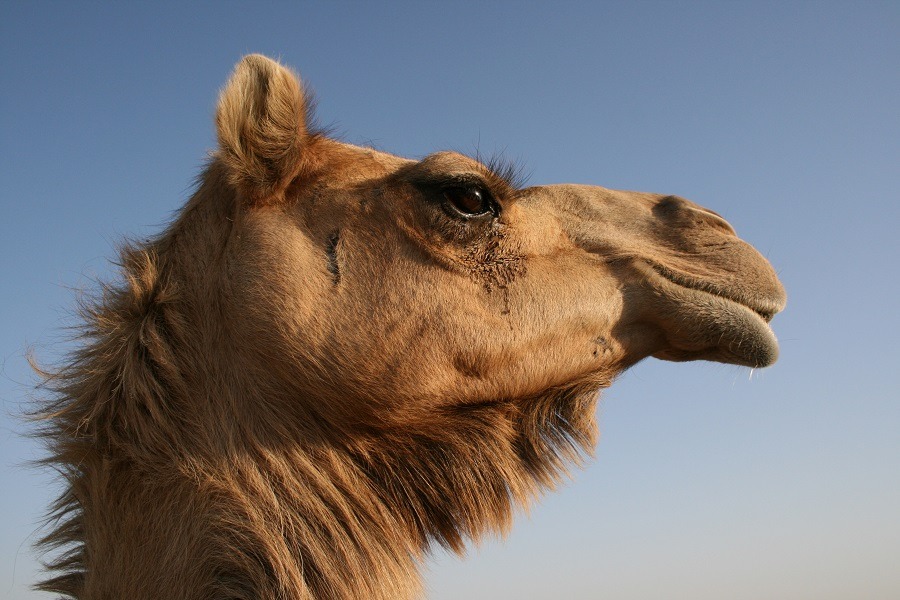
<point>320,369</point>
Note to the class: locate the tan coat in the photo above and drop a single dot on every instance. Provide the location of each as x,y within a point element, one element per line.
<point>336,357</point>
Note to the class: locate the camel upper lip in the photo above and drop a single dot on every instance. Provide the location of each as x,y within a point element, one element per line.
<point>765,309</point>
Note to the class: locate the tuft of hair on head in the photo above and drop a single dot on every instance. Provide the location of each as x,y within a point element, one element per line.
<point>261,122</point>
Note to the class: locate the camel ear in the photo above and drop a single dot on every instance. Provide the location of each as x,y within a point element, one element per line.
<point>261,124</point>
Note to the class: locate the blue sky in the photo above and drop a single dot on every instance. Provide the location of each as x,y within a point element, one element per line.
<point>709,481</point>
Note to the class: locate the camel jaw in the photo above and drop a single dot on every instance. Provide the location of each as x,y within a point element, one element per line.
<point>707,322</point>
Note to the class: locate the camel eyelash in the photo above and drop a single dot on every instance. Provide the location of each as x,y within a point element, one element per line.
<point>509,173</point>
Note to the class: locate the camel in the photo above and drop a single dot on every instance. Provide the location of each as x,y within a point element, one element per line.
<point>334,359</point>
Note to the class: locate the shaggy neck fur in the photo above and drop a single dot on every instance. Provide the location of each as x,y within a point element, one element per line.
<point>182,475</point>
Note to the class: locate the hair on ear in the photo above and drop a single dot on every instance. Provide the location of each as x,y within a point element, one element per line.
<point>261,125</point>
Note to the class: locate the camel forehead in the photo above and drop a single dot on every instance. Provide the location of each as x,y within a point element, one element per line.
<point>340,163</point>
<point>359,160</point>
<point>450,162</point>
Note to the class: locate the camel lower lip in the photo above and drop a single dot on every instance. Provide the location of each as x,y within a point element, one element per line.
<point>702,324</point>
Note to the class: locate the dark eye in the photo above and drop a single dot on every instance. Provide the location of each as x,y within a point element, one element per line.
<point>468,201</point>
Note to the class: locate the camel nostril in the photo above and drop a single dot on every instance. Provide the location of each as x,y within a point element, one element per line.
<point>669,205</point>
<point>675,209</point>
<point>715,220</point>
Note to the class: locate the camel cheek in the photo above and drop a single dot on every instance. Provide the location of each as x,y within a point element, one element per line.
<point>278,280</point>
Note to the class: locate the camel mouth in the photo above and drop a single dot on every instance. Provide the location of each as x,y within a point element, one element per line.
<point>765,308</point>
<point>706,322</point>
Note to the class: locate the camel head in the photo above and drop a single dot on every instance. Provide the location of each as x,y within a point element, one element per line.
<point>336,356</point>
<point>387,287</point>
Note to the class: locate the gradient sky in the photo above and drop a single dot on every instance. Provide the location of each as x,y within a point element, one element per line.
<point>710,481</point>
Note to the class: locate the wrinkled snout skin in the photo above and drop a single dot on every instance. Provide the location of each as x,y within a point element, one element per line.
<point>682,269</point>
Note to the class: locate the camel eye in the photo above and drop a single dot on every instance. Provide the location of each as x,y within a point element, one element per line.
<point>468,201</point>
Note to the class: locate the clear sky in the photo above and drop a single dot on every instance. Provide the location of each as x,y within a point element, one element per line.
<point>710,482</point>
